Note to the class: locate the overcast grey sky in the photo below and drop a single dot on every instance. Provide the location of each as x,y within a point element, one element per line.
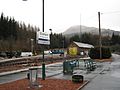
<point>62,14</point>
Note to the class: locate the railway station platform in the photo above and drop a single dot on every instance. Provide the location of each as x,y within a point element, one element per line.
<point>105,76</point>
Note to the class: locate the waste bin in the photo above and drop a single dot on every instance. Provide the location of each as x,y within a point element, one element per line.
<point>77,78</point>
<point>32,76</point>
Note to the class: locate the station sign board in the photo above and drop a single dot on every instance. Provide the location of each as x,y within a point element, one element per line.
<point>43,38</point>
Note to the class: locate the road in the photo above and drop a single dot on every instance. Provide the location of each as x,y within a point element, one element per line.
<point>109,78</point>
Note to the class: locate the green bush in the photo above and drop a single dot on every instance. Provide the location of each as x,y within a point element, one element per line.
<point>95,53</point>
<point>115,48</point>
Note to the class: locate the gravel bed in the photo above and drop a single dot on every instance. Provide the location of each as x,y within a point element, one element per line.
<point>48,84</point>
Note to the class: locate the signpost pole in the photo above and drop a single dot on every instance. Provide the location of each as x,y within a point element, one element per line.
<point>43,39</point>
<point>43,64</point>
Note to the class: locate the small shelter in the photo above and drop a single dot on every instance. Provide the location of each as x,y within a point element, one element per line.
<point>78,48</point>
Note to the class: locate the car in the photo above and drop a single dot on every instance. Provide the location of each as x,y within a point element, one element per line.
<point>26,54</point>
<point>3,54</point>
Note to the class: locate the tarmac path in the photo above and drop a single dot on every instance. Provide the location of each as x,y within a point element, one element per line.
<point>20,74</point>
<point>109,78</point>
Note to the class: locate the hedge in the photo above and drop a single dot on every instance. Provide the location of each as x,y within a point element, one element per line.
<point>95,53</point>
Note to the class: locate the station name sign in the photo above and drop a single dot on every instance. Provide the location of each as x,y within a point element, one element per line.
<point>43,38</point>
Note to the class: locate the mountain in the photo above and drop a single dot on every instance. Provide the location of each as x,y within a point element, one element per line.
<point>76,30</point>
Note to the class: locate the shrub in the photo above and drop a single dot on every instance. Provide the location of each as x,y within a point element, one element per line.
<point>115,48</point>
<point>95,53</point>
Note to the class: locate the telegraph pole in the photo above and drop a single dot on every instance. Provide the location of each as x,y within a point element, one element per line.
<point>80,27</point>
<point>100,43</point>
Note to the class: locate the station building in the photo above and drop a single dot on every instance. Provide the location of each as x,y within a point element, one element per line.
<point>78,48</point>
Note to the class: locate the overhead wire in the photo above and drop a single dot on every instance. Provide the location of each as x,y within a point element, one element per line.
<point>112,12</point>
<point>102,13</point>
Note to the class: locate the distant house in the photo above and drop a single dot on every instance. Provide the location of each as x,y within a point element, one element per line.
<point>78,48</point>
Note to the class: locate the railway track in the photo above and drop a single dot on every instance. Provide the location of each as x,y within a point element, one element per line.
<point>23,62</point>
<point>18,61</point>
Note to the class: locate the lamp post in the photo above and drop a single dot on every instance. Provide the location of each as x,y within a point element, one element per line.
<point>63,42</point>
<point>50,30</point>
<point>50,36</point>
<point>32,45</point>
<point>43,64</point>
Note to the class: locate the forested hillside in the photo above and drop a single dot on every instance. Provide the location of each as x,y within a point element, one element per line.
<point>14,35</point>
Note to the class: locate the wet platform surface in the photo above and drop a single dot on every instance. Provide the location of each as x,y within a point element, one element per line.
<point>105,77</point>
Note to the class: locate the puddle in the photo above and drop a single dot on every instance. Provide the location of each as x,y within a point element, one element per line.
<point>57,65</point>
<point>116,74</point>
<point>115,63</point>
